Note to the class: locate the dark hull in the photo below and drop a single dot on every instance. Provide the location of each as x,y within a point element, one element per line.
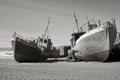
<point>26,52</point>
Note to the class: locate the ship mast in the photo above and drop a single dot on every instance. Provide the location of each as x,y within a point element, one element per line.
<point>76,21</point>
<point>47,26</point>
<point>88,21</point>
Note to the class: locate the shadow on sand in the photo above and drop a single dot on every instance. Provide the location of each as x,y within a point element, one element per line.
<point>50,60</point>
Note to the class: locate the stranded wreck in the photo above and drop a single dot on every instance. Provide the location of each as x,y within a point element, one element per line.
<point>32,50</point>
<point>95,44</point>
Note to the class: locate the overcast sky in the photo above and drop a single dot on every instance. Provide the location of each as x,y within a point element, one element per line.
<point>29,17</point>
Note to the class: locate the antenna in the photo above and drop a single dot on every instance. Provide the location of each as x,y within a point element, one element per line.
<point>47,26</point>
<point>76,21</point>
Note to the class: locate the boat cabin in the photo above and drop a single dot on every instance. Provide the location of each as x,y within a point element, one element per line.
<point>75,37</point>
<point>44,43</point>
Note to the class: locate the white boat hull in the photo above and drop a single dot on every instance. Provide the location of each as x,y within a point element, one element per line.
<point>96,44</point>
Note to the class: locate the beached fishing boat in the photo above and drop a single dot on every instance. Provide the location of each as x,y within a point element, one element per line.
<point>95,44</point>
<point>32,50</point>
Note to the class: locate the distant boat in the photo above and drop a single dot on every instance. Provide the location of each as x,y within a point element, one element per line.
<point>32,50</point>
<point>95,44</point>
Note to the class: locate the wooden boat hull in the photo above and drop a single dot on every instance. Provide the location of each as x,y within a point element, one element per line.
<point>96,44</point>
<point>26,52</point>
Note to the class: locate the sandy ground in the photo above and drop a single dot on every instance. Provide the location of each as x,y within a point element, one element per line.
<point>59,70</point>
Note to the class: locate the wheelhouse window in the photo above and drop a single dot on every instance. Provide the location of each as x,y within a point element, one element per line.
<point>45,41</point>
<point>41,40</point>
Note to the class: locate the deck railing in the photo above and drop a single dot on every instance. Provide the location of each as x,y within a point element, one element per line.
<point>85,27</point>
